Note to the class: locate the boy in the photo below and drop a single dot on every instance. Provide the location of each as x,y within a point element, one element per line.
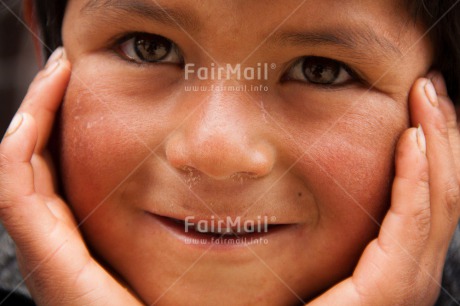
<point>311,159</point>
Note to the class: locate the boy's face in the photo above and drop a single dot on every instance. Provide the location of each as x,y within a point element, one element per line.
<point>139,145</point>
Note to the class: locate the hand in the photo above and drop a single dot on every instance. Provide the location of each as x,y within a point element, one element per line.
<point>52,255</point>
<point>404,264</point>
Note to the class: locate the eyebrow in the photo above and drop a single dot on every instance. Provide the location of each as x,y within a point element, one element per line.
<point>173,17</point>
<point>364,40</point>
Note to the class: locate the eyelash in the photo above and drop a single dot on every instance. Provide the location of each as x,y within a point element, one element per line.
<point>342,77</point>
<point>126,48</point>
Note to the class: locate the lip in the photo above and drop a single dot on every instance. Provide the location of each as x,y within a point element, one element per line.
<point>263,234</point>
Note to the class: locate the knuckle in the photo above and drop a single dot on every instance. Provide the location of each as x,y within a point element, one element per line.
<point>423,223</point>
<point>452,198</point>
<point>424,179</point>
<point>442,129</point>
<point>452,124</point>
<point>6,204</point>
<point>3,158</point>
<point>3,173</point>
<point>6,196</point>
<point>4,165</point>
<point>3,162</point>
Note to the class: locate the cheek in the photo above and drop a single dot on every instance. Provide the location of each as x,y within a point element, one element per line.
<point>100,128</point>
<point>348,164</point>
<point>355,180</point>
<point>348,167</point>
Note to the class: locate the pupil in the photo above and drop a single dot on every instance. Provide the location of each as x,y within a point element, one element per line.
<point>321,71</point>
<point>152,48</point>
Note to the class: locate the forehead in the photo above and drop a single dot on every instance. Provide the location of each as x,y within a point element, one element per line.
<point>378,20</point>
<point>266,11</point>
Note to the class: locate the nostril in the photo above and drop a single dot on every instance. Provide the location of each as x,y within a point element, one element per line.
<point>187,169</point>
<point>192,175</point>
<point>243,176</point>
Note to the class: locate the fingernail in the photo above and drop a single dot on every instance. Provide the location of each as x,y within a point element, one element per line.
<point>53,61</point>
<point>430,93</point>
<point>50,69</point>
<point>421,142</point>
<point>14,125</point>
<point>57,54</point>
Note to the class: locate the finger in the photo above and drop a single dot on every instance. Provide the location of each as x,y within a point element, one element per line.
<point>390,264</point>
<point>42,101</point>
<point>27,217</point>
<point>406,226</point>
<point>444,189</point>
<point>449,112</point>
<point>45,95</point>
<point>32,221</point>
<point>21,211</point>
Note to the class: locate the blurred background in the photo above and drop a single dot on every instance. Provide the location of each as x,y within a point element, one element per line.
<point>18,65</point>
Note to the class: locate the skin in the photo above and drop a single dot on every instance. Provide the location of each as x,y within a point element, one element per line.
<point>105,110</point>
<point>333,196</point>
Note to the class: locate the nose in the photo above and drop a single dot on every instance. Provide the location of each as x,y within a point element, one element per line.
<point>223,138</point>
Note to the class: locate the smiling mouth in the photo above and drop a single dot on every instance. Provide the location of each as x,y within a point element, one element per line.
<point>209,233</point>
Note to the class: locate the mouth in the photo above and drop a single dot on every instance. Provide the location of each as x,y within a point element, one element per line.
<point>215,232</point>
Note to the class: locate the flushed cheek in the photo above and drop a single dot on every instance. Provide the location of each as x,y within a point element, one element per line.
<point>350,169</point>
<point>95,136</point>
<point>350,183</point>
<point>361,159</point>
<point>355,181</point>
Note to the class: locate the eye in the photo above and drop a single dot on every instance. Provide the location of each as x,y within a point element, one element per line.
<point>149,48</point>
<point>320,70</point>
